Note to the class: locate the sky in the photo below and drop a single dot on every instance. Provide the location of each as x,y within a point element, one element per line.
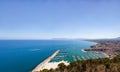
<point>46,19</point>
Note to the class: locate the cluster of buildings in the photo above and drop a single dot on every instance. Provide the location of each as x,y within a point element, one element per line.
<point>110,47</point>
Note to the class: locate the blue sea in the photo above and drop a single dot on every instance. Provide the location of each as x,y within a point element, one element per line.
<point>24,55</point>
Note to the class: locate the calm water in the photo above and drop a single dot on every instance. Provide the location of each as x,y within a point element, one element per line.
<point>24,55</point>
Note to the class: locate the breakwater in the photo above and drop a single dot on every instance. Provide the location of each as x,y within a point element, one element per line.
<point>41,65</point>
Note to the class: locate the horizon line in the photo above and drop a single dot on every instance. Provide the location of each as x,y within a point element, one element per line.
<point>60,38</point>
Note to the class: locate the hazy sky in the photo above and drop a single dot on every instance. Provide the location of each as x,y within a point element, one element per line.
<point>45,19</point>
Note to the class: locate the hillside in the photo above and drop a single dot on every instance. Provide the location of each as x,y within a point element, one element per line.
<point>92,65</point>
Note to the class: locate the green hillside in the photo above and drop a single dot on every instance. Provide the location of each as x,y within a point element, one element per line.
<point>91,65</point>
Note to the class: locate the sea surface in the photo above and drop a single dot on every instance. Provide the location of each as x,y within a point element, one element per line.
<point>24,55</point>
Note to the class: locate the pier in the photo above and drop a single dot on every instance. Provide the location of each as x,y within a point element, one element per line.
<point>41,65</point>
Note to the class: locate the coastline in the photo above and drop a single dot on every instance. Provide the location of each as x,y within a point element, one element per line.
<point>54,65</point>
<point>46,64</point>
<point>106,55</point>
<point>83,50</point>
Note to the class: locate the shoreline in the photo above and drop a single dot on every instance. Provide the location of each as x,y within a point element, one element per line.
<point>83,50</point>
<point>46,64</point>
<point>54,65</point>
<point>106,55</point>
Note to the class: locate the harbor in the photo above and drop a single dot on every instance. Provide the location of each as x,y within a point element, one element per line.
<point>70,57</point>
<point>66,56</point>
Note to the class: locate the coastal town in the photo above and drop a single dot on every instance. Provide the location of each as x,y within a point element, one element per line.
<point>110,47</point>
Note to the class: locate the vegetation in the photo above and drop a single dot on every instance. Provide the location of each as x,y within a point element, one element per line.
<point>91,65</point>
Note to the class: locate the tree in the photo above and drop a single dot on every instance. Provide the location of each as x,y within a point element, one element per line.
<point>61,66</point>
<point>45,70</point>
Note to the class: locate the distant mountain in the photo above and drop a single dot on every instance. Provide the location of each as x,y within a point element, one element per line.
<point>118,38</point>
<point>105,39</point>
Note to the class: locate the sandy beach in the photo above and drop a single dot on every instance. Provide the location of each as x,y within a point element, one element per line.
<point>83,50</point>
<point>106,55</point>
<point>53,65</point>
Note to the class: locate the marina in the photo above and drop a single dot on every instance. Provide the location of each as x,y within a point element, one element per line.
<point>68,56</point>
